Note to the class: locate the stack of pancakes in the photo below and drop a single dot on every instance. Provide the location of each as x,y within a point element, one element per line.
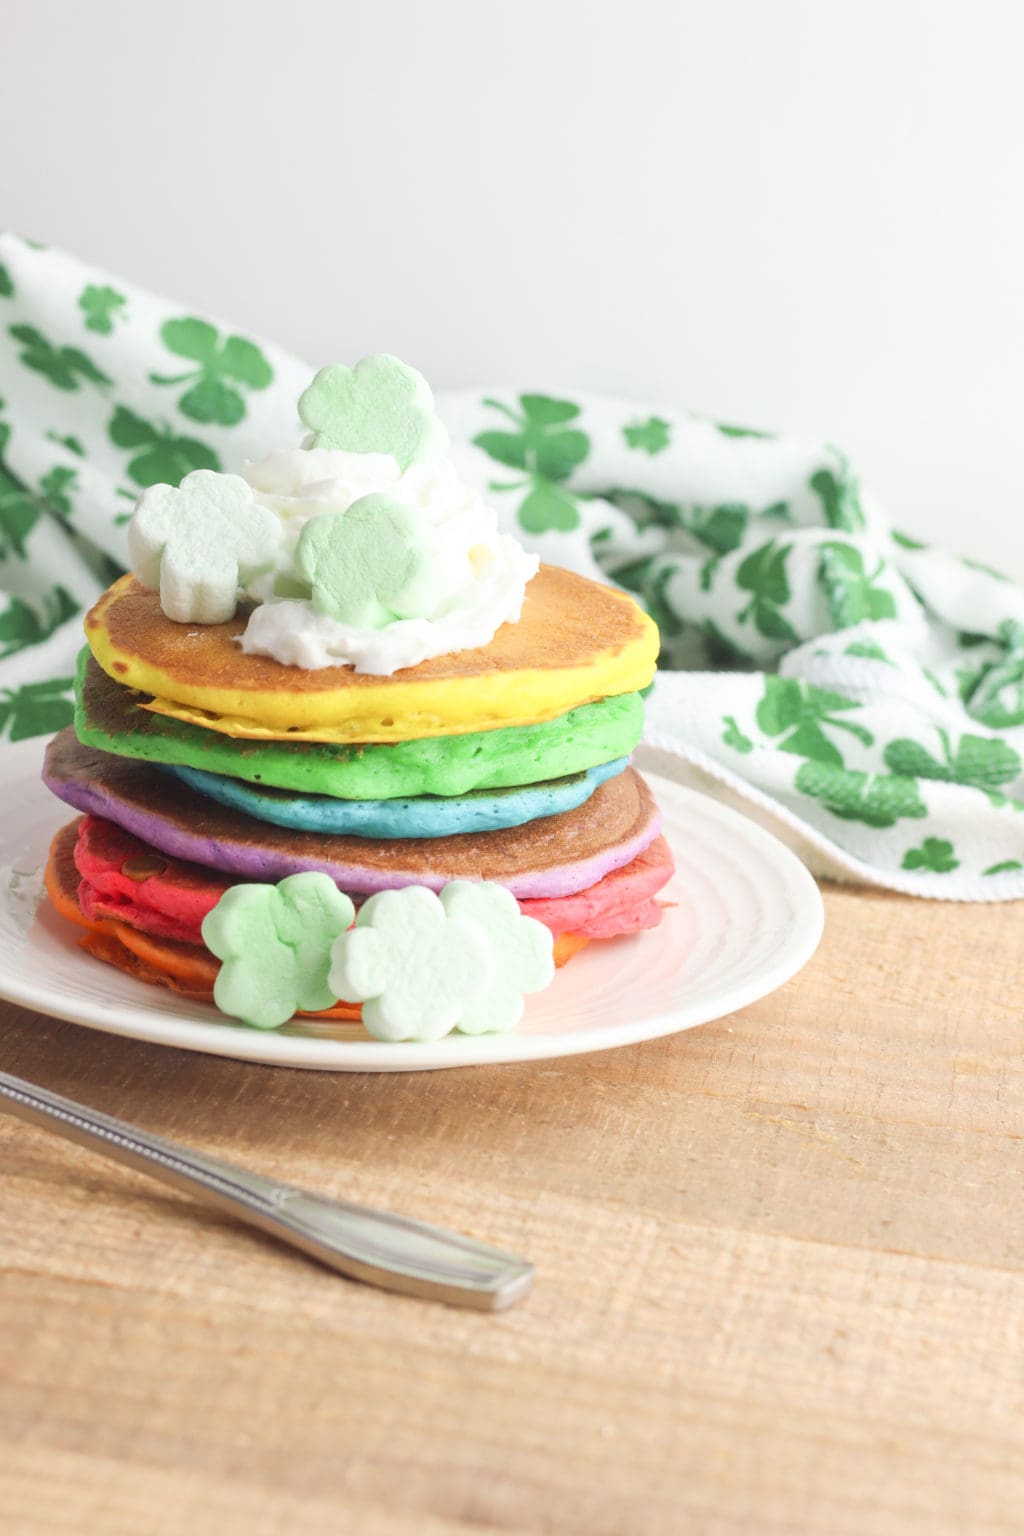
<point>198,767</point>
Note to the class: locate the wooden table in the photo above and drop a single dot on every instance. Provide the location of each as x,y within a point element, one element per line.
<point>781,1277</point>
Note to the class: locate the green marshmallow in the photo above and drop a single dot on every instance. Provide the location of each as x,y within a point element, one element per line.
<point>423,965</point>
<point>369,565</point>
<point>411,965</point>
<point>275,944</point>
<point>379,406</point>
<point>522,950</point>
<point>106,717</point>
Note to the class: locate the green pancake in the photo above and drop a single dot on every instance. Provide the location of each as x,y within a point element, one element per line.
<point>108,717</point>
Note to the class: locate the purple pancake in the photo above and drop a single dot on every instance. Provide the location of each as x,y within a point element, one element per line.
<point>553,856</point>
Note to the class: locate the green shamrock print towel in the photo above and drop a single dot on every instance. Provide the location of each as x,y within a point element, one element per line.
<point>859,692</point>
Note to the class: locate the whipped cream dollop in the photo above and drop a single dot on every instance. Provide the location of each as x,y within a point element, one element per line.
<point>479,574</point>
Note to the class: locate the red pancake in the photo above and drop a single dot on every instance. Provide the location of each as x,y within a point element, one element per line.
<point>189,969</point>
<point>124,879</point>
<point>623,902</point>
<point>151,956</point>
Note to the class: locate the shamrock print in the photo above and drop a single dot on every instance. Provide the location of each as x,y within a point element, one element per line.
<point>935,854</point>
<point>853,595</point>
<point>733,737</point>
<point>763,574</point>
<point>730,431</point>
<point>162,457</point>
<point>22,624</point>
<point>36,709</point>
<point>65,367</point>
<point>796,711</point>
<point>379,406</point>
<point>6,283</point>
<point>548,449</point>
<point>199,542</point>
<point>274,943</point>
<point>369,565</point>
<point>876,799</point>
<point>542,443</point>
<point>1007,866</point>
<point>870,650</point>
<point>55,486</point>
<point>19,509</point>
<point>72,444</point>
<point>651,436</point>
<point>721,529</point>
<point>993,690</point>
<point>546,507</point>
<point>981,761</point>
<point>101,306</point>
<point>839,495</point>
<point>224,369</point>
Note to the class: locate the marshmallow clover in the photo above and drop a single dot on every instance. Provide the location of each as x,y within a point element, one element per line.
<point>369,565</point>
<point>423,965</point>
<point>275,945</point>
<point>379,406</point>
<point>198,543</point>
<point>522,950</point>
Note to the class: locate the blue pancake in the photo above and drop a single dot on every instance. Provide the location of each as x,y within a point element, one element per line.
<point>484,810</point>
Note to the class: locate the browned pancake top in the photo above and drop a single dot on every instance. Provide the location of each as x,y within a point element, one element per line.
<point>566,622</point>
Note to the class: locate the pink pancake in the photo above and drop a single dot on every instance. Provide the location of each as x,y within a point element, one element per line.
<point>125,879</point>
<point>623,902</point>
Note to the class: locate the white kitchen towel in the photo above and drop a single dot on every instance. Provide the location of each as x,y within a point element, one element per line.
<point>857,691</point>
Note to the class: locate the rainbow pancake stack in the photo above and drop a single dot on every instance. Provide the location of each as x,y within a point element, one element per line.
<point>336,667</point>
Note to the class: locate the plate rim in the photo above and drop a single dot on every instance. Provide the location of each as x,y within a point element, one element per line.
<point>211,1037</point>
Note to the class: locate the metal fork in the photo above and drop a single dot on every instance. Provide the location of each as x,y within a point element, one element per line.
<point>394,1252</point>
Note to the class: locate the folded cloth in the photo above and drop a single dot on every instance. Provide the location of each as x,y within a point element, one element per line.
<point>859,692</point>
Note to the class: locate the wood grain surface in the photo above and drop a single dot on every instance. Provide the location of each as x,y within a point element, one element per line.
<point>780,1277</point>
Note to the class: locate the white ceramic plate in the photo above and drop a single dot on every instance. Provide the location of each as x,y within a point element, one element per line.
<point>747,916</point>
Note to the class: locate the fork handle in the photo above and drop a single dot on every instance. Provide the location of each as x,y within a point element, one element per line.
<point>377,1247</point>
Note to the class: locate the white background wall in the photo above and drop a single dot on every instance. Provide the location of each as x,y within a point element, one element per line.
<point>791,214</point>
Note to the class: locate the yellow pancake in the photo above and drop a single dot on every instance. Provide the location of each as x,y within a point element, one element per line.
<point>576,641</point>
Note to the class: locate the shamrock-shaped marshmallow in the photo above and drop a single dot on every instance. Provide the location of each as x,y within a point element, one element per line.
<point>422,965</point>
<point>275,944</point>
<point>520,947</point>
<point>370,564</point>
<point>200,542</point>
<point>379,406</point>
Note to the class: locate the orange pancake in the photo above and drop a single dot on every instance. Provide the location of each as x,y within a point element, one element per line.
<point>188,969</point>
